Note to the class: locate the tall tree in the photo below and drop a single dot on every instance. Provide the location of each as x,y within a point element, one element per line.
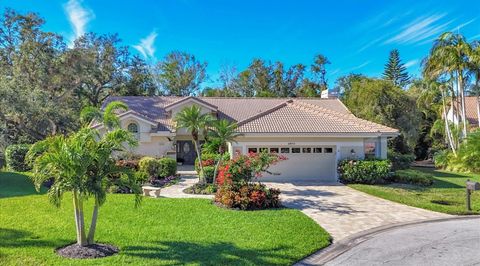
<point>395,71</point>
<point>382,102</point>
<point>448,59</point>
<point>101,64</point>
<point>36,81</point>
<point>138,79</point>
<point>180,74</point>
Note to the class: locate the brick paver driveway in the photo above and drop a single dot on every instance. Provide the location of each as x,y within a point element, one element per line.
<point>343,211</point>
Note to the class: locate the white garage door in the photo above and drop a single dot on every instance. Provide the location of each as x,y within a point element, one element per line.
<point>305,163</point>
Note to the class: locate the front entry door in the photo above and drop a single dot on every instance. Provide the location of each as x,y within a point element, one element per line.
<point>186,152</point>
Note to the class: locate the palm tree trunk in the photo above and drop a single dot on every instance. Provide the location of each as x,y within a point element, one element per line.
<point>220,151</point>
<point>462,99</point>
<point>93,224</point>
<point>79,221</point>
<point>447,127</point>
<point>201,176</point>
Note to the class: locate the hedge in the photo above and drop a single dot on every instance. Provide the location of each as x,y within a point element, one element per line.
<point>413,177</point>
<point>167,167</point>
<point>364,171</point>
<point>400,161</point>
<point>15,157</point>
<point>158,168</point>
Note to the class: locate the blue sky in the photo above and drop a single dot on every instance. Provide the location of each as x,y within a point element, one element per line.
<point>356,36</point>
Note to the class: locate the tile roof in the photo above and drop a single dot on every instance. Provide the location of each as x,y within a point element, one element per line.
<point>264,115</point>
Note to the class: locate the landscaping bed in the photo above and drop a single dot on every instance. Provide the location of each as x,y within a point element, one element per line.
<point>446,194</point>
<point>159,232</point>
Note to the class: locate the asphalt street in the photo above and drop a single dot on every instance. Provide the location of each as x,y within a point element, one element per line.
<point>454,242</point>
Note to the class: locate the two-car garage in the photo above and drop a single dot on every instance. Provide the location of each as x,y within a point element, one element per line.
<point>304,163</point>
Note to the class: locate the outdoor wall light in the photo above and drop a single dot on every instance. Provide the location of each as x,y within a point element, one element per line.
<point>352,151</point>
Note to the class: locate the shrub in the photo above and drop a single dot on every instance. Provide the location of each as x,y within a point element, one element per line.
<point>15,157</point>
<point>364,172</point>
<point>130,164</point>
<point>209,159</point>
<point>202,189</point>
<point>247,196</point>
<point>167,167</point>
<point>150,166</point>
<point>400,161</point>
<point>414,177</point>
<point>208,172</point>
<point>244,168</point>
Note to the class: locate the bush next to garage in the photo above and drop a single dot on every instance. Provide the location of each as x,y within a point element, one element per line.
<point>208,163</point>
<point>400,161</point>
<point>364,171</point>
<point>15,157</point>
<point>236,187</point>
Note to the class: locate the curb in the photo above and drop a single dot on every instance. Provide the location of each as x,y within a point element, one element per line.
<point>329,253</point>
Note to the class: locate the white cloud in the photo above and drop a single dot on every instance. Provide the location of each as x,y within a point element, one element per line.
<point>78,16</point>
<point>411,63</point>
<point>360,66</point>
<point>146,45</point>
<point>459,27</point>
<point>420,29</point>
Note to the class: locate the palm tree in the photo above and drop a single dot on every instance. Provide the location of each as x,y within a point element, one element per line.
<point>192,119</point>
<point>108,116</point>
<point>223,131</point>
<point>82,163</point>
<point>449,56</point>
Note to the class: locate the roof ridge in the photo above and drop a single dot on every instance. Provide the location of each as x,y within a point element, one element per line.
<point>268,111</point>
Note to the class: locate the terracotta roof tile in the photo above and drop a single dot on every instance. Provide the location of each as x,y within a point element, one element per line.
<point>265,115</point>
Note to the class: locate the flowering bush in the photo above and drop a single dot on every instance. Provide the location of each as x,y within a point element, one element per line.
<point>247,196</point>
<point>244,168</point>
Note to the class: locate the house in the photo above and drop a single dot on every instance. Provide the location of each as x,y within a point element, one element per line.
<point>472,112</point>
<point>313,133</point>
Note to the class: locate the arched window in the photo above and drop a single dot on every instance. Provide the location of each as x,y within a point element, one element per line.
<point>133,128</point>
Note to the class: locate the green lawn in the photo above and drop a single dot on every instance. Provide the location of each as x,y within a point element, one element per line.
<point>160,232</point>
<point>446,195</point>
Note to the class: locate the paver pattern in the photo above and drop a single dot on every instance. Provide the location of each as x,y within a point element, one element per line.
<point>343,211</point>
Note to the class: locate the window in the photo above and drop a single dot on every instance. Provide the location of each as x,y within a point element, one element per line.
<point>252,150</point>
<point>284,150</point>
<point>370,149</point>
<point>133,128</point>
<point>263,149</point>
<point>295,150</point>
<point>328,150</point>
<point>317,150</point>
<point>273,150</point>
<point>307,150</point>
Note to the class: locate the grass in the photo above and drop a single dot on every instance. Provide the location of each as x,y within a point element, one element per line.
<point>447,194</point>
<point>160,232</point>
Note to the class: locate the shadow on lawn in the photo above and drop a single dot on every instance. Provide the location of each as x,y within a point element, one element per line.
<point>207,253</point>
<point>13,238</point>
<point>16,184</point>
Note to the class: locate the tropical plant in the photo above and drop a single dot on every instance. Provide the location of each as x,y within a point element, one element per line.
<point>81,163</point>
<point>108,117</point>
<point>192,119</point>
<point>223,131</point>
<point>448,59</point>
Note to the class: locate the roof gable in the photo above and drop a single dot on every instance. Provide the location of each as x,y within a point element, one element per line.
<point>190,99</point>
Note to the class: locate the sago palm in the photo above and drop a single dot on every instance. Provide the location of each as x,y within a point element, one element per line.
<point>223,131</point>
<point>192,119</point>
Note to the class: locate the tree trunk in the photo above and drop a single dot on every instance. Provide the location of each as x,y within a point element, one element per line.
<point>447,127</point>
<point>201,176</point>
<point>93,225</point>
<point>79,221</point>
<point>462,99</point>
<point>220,151</point>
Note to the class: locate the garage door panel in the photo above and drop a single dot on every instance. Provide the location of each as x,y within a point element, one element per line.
<point>304,166</point>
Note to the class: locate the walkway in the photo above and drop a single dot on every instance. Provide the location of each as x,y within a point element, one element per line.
<point>343,211</point>
<point>176,190</point>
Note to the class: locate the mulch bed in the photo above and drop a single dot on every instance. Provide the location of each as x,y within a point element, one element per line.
<point>75,251</point>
